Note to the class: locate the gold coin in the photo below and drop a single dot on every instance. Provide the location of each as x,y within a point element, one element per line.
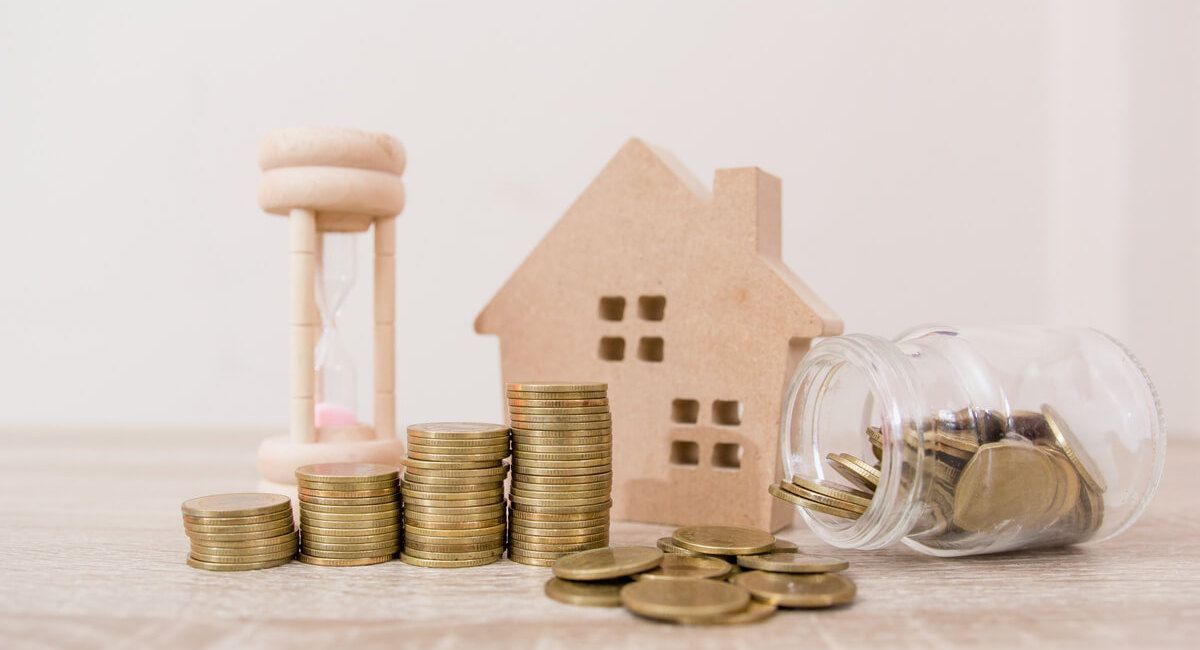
<point>458,443</point>
<point>588,594</point>
<point>520,402</point>
<point>204,549</point>
<point>347,531</point>
<point>683,599</point>
<point>240,504</point>
<point>360,501</point>
<point>1008,484</point>
<point>554,533</point>
<point>797,590</point>
<point>411,464</point>
<point>724,540</point>
<point>349,494</point>
<point>834,490</point>
<point>458,430</point>
<point>753,613</point>
<point>562,418</point>
<point>454,555</point>
<point>455,542</point>
<point>543,495</point>
<point>557,410</point>
<point>809,495</point>
<point>682,567</point>
<point>239,521</point>
<point>514,549</point>
<point>494,455</point>
<point>373,520</point>
<point>517,535</point>
<point>346,510</point>
<point>667,545</point>
<point>465,453</point>
<point>494,507</point>
<point>572,490</point>
<point>564,457</point>
<point>608,563</point>
<point>393,549</point>
<point>854,470</point>
<point>290,537</point>
<point>346,472</point>
<point>556,387</point>
<point>233,530</point>
<point>495,544</point>
<point>1070,445</point>
<point>362,520</point>
<point>554,502</point>
<point>588,514</point>
<point>784,546</point>
<point>450,483</point>
<point>810,504</point>
<point>454,532</point>
<point>525,471</point>
<point>793,563</point>
<point>236,566</point>
<point>491,473</point>
<point>543,547</point>
<point>530,561</point>
<point>240,537</point>
<point>421,503</point>
<point>448,492</point>
<point>352,548</point>
<point>319,538</point>
<point>485,519</point>
<point>527,428</point>
<point>446,564</point>
<point>327,488</point>
<point>544,397</point>
<point>344,562</point>
<point>569,447</point>
<point>531,479</point>
<point>242,559</point>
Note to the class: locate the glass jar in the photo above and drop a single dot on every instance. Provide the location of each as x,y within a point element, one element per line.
<point>972,440</point>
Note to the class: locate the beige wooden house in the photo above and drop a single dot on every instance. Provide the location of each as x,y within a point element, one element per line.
<point>677,297</point>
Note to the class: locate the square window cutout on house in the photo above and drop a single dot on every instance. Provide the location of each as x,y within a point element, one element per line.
<point>727,455</point>
<point>612,348</point>
<point>612,308</point>
<point>685,452</point>
<point>650,348</point>
<point>652,307</point>
<point>727,412</point>
<point>685,411</point>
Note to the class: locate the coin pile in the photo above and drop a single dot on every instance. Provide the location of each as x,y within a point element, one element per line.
<point>562,470</point>
<point>454,494</point>
<point>1006,482</point>
<point>240,532</point>
<point>706,575</point>
<point>349,513</point>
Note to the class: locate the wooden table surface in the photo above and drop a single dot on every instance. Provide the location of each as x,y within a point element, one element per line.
<point>92,554</point>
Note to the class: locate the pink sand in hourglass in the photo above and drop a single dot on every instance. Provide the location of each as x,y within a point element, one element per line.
<point>332,415</point>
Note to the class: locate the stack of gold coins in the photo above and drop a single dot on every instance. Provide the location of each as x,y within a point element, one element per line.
<point>240,532</point>
<point>349,513</point>
<point>454,494</point>
<point>562,470</point>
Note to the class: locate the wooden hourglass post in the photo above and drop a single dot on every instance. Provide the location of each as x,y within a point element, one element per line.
<point>333,180</point>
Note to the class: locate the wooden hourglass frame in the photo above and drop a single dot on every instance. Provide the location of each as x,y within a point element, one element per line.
<point>329,180</point>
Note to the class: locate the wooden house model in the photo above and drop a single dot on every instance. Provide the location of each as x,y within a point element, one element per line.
<point>677,297</point>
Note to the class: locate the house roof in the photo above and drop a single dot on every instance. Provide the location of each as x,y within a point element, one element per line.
<point>651,179</point>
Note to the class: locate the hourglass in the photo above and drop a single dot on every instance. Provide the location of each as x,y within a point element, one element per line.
<point>333,185</point>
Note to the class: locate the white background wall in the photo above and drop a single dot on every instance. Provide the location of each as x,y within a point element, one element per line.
<point>964,162</point>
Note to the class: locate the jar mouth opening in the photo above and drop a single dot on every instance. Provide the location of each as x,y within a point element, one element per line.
<point>872,373</point>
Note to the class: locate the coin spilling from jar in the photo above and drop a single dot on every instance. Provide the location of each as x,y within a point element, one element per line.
<point>1026,475</point>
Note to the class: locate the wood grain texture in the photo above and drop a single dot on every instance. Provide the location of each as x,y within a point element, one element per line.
<point>92,549</point>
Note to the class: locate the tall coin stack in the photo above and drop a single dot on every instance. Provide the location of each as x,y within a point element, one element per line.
<point>239,532</point>
<point>562,470</point>
<point>349,513</point>
<point>454,494</point>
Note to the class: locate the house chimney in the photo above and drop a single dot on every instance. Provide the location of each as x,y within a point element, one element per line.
<point>747,203</point>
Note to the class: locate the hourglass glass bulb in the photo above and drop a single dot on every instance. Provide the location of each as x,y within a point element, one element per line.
<point>334,366</point>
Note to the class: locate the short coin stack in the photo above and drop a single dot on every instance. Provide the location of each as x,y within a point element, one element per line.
<point>709,575</point>
<point>562,470</point>
<point>454,494</point>
<point>349,513</point>
<point>240,532</point>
